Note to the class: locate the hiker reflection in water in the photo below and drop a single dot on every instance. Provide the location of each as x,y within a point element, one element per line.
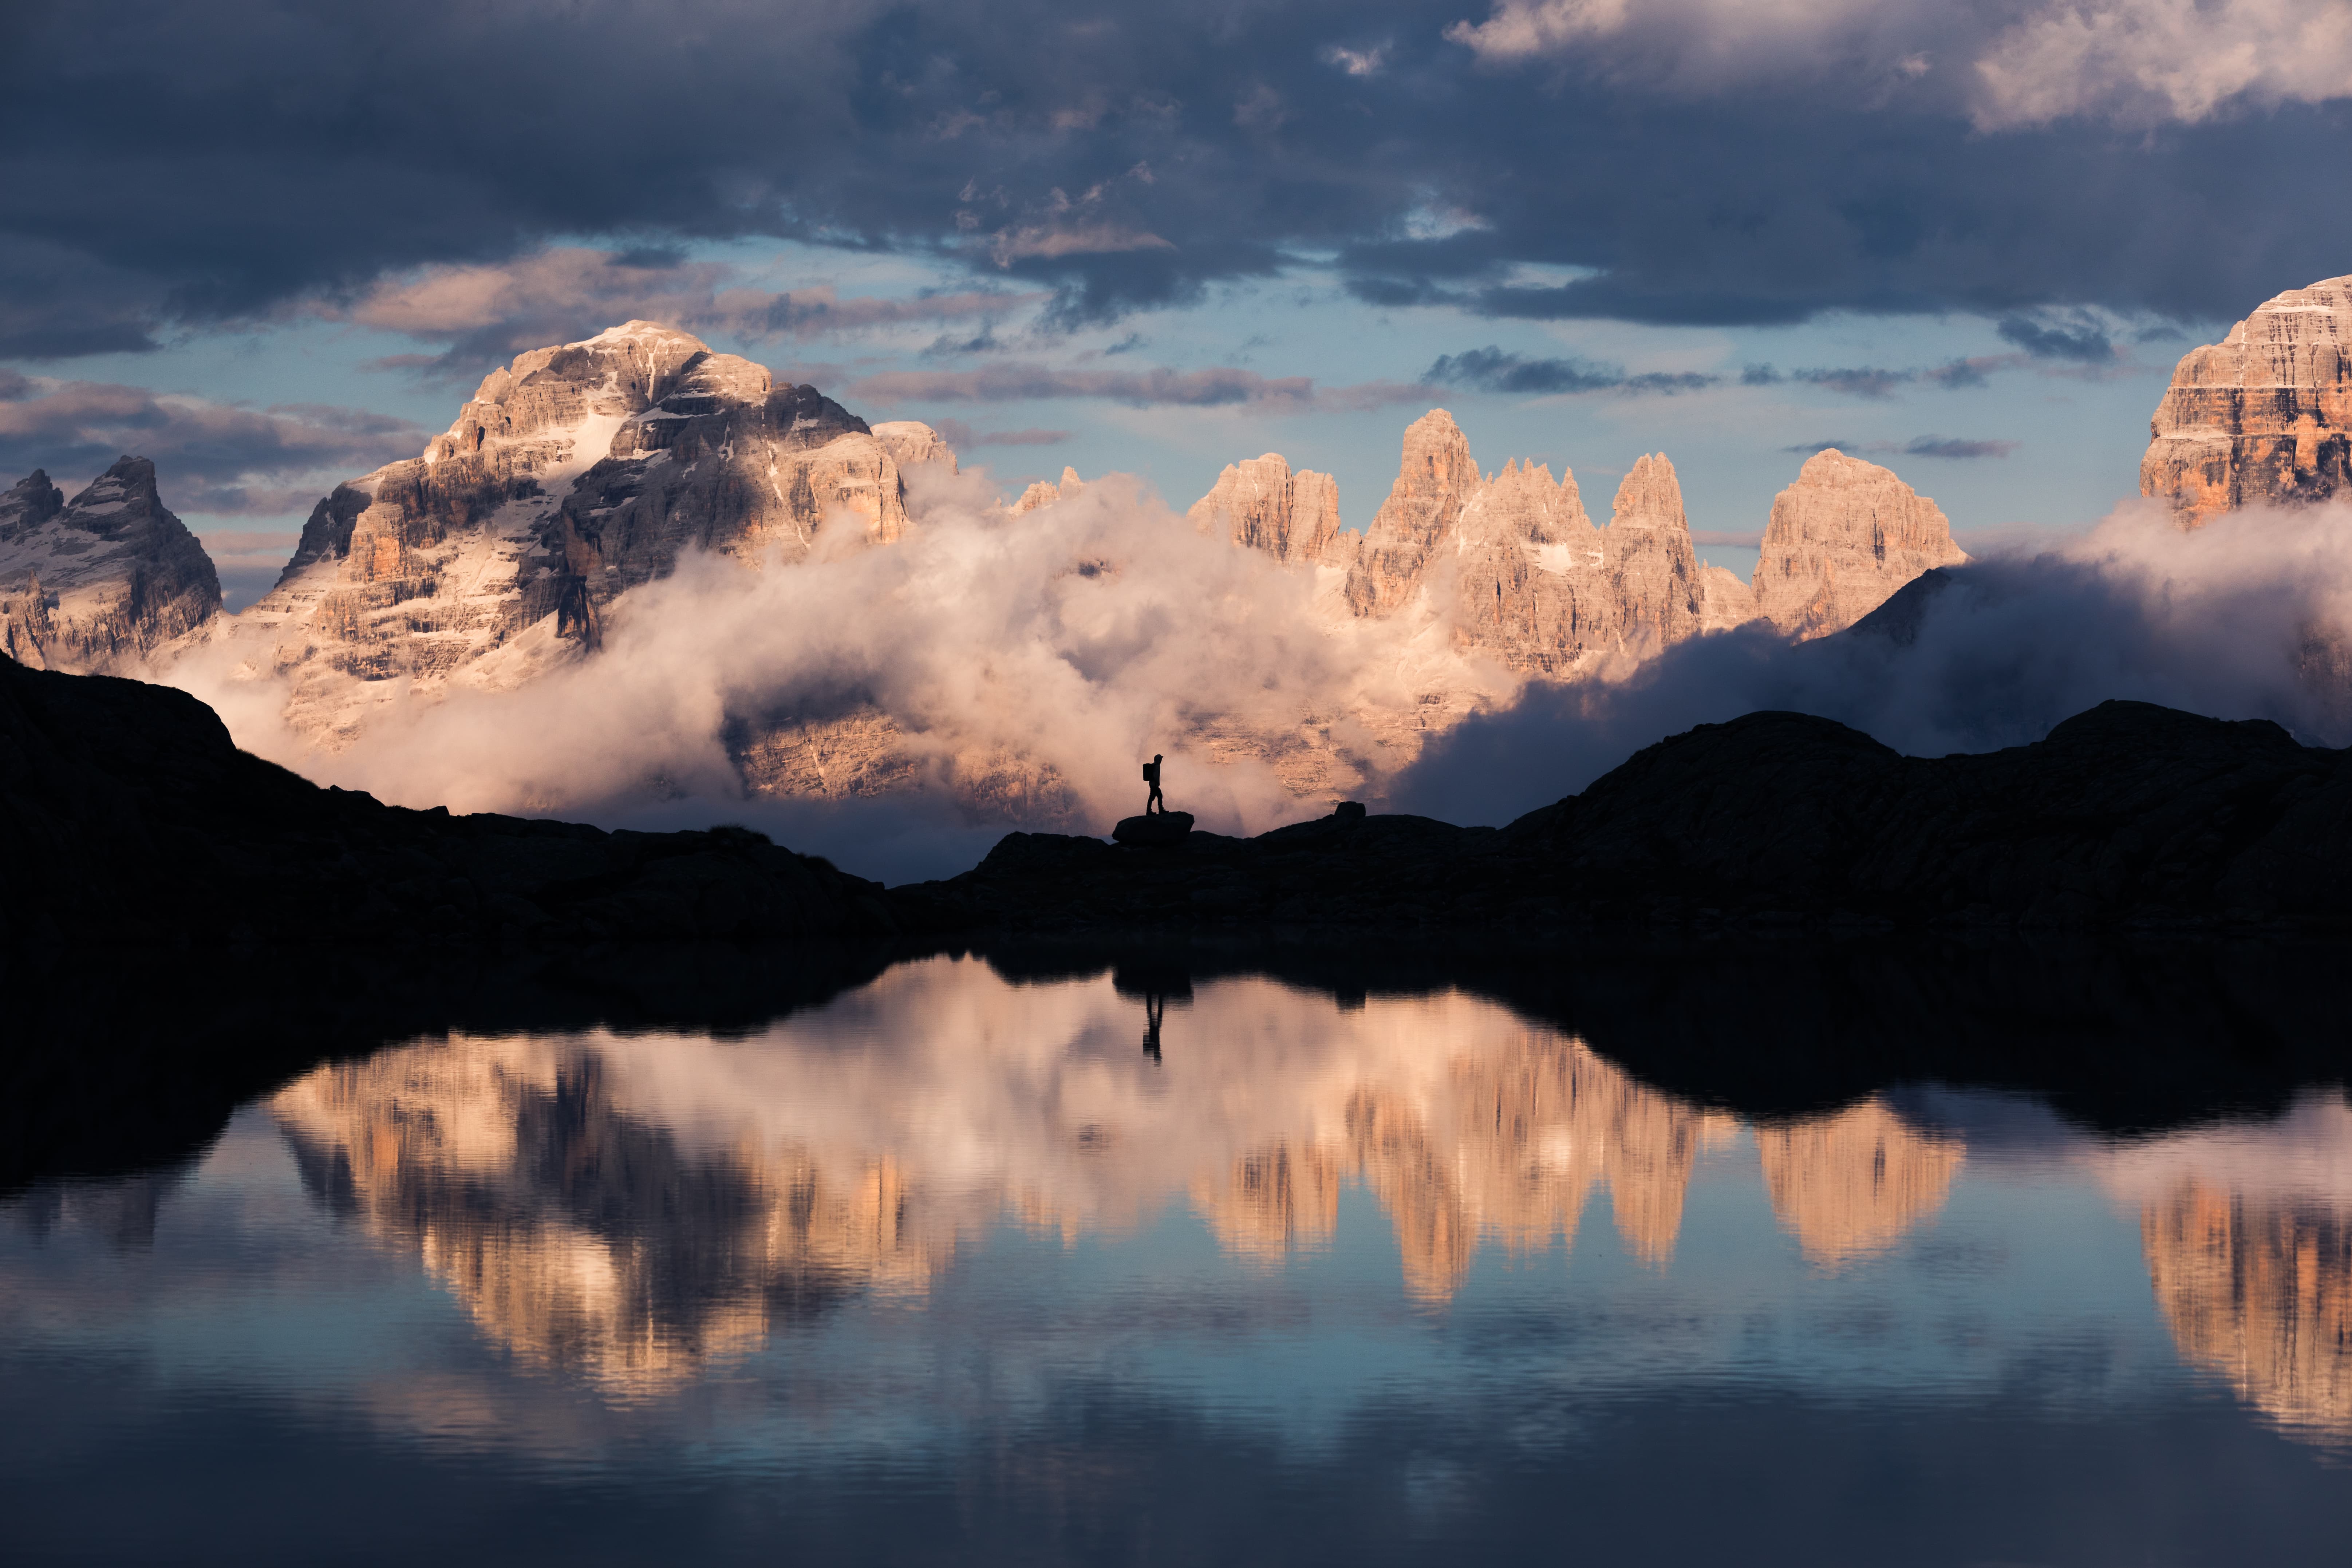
<point>1152,777</point>
<point>1154,1009</point>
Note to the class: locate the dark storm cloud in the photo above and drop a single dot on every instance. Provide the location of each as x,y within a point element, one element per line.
<point>1491,369</point>
<point>209,456</point>
<point>2082,340</point>
<point>169,164</point>
<point>1954,446</point>
<point>1219,387</point>
<point>1880,382</point>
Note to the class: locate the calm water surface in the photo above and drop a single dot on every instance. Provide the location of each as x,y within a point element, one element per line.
<point>955,1269</point>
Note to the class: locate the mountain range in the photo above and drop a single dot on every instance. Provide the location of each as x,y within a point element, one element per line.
<point>580,474</point>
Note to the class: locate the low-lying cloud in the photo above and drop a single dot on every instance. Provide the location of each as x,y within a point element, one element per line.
<point>2249,618</point>
<point>1027,665</point>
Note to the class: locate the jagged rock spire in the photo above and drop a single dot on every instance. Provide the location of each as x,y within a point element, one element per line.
<point>1260,503</point>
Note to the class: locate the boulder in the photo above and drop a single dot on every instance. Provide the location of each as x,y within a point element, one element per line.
<point>1157,828</point>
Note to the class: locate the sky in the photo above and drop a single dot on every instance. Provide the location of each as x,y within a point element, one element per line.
<point>271,246</point>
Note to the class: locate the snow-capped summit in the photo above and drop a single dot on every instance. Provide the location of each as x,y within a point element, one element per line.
<point>573,474</point>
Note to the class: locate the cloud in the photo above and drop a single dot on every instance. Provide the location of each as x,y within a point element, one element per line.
<point>248,560</point>
<point>1943,446</point>
<point>1219,386</point>
<point>1917,447</point>
<point>1693,161</point>
<point>2079,339</point>
<point>491,312</point>
<point>1881,382</point>
<point>2247,618</point>
<point>1491,369</point>
<point>1046,654</point>
<point>2131,62</point>
<point>961,437</point>
<point>1356,62</point>
<point>210,458</point>
<point>2143,62</point>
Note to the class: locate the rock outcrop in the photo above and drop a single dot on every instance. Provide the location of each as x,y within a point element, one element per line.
<point>123,802</point>
<point>570,477</point>
<point>1260,504</point>
<point>1841,540</point>
<point>99,583</point>
<point>2265,414</point>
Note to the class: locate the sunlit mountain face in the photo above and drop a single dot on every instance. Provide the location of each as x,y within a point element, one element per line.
<point>1047,1247</point>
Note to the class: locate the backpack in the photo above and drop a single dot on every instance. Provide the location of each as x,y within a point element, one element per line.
<point>1151,772</point>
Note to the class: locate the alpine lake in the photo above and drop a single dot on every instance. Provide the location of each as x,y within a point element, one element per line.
<point>1151,1254</point>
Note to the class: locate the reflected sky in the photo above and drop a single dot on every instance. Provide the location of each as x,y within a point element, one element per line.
<point>954,1269</point>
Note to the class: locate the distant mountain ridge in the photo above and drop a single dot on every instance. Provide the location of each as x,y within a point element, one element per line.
<point>581,471</point>
<point>101,582</point>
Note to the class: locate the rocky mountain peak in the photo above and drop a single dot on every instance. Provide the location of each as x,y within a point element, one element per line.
<point>29,502</point>
<point>1436,476</point>
<point>1650,497</point>
<point>1841,540</point>
<point>2265,414</point>
<point>1041,493</point>
<point>575,473</point>
<point>911,443</point>
<point>1260,504</point>
<point>100,582</point>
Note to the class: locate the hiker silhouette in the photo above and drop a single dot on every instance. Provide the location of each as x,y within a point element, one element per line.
<point>1152,777</point>
<point>1154,1009</point>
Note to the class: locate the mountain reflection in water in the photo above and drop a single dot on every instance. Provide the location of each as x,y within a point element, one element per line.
<point>628,1207</point>
<point>1022,1244</point>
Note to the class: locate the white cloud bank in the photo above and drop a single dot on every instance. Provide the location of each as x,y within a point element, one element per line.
<point>2135,62</point>
<point>2248,617</point>
<point>1053,651</point>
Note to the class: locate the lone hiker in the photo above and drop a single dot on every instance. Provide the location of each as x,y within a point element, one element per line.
<point>1152,777</point>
